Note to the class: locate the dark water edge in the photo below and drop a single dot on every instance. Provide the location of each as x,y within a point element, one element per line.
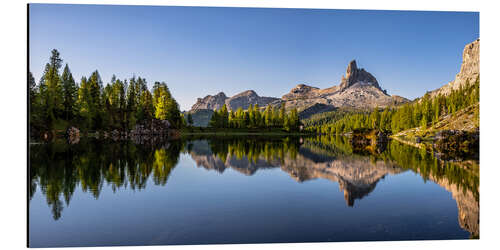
<point>246,189</point>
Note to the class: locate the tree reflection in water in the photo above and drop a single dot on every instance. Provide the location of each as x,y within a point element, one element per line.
<point>59,168</point>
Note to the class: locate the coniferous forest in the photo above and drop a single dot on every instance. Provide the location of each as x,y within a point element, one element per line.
<point>59,101</point>
<point>253,117</point>
<point>423,112</point>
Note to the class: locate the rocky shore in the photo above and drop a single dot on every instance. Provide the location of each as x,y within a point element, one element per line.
<point>148,132</point>
<point>371,140</point>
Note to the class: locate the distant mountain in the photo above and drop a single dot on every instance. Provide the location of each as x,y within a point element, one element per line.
<point>201,117</point>
<point>243,100</point>
<point>358,89</point>
<point>469,71</point>
<point>210,102</point>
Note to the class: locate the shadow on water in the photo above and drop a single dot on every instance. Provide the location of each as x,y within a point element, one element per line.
<point>59,168</point>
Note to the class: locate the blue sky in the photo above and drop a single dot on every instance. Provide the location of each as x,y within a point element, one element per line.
<point>205,50</point>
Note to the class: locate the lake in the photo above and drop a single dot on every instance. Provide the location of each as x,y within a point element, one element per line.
<point>246,189</point>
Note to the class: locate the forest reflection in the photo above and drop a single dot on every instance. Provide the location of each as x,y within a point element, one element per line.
<point>58,169</point>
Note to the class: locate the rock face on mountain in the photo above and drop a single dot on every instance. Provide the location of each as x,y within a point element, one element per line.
<point>243,100</point>
<point>357,89</point>
<point>469,71</point>
<point>210,102</point>
<point>355,75</point>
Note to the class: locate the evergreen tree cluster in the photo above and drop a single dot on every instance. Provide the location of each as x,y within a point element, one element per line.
<point>420,113</point>
<point>59,101</point>
<point>253,117</point>
<point>329,117</point>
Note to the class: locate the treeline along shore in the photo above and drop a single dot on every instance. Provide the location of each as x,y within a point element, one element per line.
<point>61,106</point>
<point>58,103</point>
<point>126,109</point>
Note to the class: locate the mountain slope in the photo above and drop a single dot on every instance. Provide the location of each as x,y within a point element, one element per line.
<point>357,89</point>
<point>241,100</point>
<point>469,71</point>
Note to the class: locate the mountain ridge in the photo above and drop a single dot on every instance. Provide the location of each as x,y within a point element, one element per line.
<point>357,89</point>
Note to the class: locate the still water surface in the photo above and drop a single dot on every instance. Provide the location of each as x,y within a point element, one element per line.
<point>245,190</point>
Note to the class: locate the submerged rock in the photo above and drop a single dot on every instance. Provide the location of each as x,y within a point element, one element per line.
<point>73,135</point>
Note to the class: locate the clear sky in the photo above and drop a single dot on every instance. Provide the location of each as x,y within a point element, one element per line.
<point>204,50</point>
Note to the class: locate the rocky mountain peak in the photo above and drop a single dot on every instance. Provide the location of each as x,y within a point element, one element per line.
<point>352,68</point>
<point>302,88</point>
<point>355,75</point>
<point>221,94</point>
<point>470,64</point>
<point>241,100</point>
<point>469,71</point>
<point>210,102</point>
<point>246,93</point>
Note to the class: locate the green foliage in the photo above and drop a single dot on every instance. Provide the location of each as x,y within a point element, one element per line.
<point>420,113</point>
<point>166,107</point>
<point>51,91</point>
<point>89,105</point>
<point>254,118</point>
<point>328,117</point>
<point>70,93</point>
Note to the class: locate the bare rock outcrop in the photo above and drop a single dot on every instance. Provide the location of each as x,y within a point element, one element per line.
<point>245,98</point>
<point>469,71</point>
<point>210,102</point>
<point>241,100</point>
<point>357,89</point>
<point>354,75</point>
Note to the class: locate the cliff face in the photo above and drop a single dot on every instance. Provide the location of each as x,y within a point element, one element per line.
<point>241,100</point>
<point>357,89</point>
<point>244,99</point>
<point>210,102</point>
<point>469,71</point>
<point>354,75</point>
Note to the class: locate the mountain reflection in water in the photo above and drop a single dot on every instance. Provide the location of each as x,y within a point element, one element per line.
<point>58,168</point>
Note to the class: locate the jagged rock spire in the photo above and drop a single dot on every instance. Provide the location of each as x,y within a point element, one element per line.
<point>354,75</point>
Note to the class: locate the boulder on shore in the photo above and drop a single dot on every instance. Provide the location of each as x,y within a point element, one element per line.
<point>73,135</point>
<point>150,131</point>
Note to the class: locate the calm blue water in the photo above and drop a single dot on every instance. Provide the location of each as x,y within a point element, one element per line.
<point>208,191</point>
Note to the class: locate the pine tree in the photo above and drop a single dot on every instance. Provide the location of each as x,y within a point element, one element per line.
<point>52,90</point>
<point>70,93</point>
<point>268,116</point>
<point>84,103</point>
<point>224,116</point>
<point>96,104</point>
